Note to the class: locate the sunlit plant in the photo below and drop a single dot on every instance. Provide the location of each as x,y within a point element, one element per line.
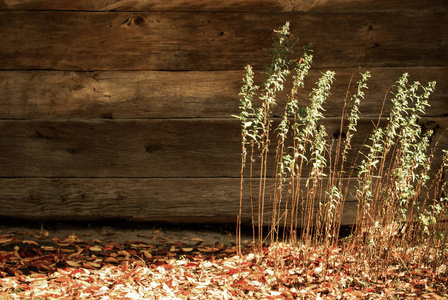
<point>298,189</point>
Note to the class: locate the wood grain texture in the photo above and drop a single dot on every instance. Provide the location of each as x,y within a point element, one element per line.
<point>120,109</point>
<point>149,5</point>
<point>366,5</point>
<point>215,41</point>
<point>158,94</point>
<point>218,5</point>
<point>152,148</point>
<point>183,200</point>
<point>142,148</point>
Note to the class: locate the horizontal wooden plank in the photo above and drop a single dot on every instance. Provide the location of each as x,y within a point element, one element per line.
<point>183,200</point>
<point>159,94</point>
<point>107,148</point>
<point>132,94</point>
<point>154,148</point>
<point>215,41</point>
<point>148,5</point>
<point>140,148</point>
<point>216,5</point>
<point>367,5</point>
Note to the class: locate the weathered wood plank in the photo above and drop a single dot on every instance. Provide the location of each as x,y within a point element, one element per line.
<point>215,41</point>
<point>366,5</point>
<point>158,94</point>
<point>140,148</point>
<point>140,94</point>
<point>153,148</point>
<point>148,5</point>
<point>183,200</point>
<point>218,5</point>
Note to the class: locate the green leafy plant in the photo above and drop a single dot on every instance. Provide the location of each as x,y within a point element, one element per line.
<point>303,183</point>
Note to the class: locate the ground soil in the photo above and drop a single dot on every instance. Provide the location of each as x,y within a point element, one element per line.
<point>122,232</point>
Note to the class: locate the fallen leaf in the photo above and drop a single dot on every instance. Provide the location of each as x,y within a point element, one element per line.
<point>96,248</point>
<point>47,248</point>
<point>30,242</point>
<point>111,260</point>
<point>63,279</point>
<point>146,253</point>
<point>231,250</point>
<point>240,283</point>
<point>59,242</point>
<point>65,250</point>
<point>102,291</point>
<point>73,263</point>
<point>75,254</point>
<point>434,296</point>
<point>4,241</point>
<point>140,263</point>
<point>125,266</point>
<point>92,264</point>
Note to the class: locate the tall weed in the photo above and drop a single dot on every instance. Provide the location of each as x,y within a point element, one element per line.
<point>301,188</point>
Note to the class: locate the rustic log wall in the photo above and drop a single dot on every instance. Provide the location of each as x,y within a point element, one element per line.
<point>120,109</point>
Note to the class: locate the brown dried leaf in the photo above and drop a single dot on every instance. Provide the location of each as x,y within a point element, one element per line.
<point>30,242</point>
<point>230,250</point>
<point>146,253</point>
<point>73,263</point>
<point>48,248</point>
<point>4,240</point>
<point>111,260</point>
<point>96,248</point>
<point>92,264</point>
<point>197,240</point>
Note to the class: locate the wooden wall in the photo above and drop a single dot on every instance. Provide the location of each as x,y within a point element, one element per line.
<point>120,109</point>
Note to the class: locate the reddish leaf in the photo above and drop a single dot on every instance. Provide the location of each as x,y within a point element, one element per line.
<point>108,248</point>
<point>63,279</point>
<point>240,283</point>
<point>192,264</point>
<point>124,266</point>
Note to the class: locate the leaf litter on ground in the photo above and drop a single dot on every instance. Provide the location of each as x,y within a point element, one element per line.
<point>73,268</point>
